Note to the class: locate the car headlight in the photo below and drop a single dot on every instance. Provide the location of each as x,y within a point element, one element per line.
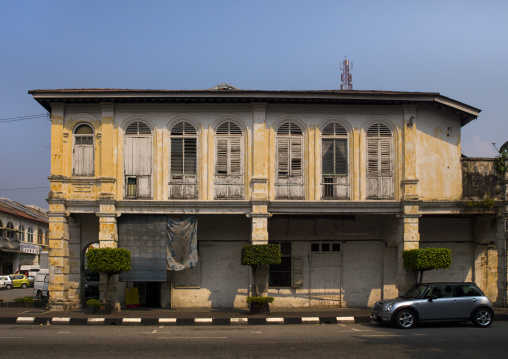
<point>389,307</point>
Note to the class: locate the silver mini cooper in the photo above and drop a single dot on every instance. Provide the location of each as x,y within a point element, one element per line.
<point>459,302</point>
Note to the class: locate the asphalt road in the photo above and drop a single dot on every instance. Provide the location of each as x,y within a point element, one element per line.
<point>267,341</point>
<point>11,294</point>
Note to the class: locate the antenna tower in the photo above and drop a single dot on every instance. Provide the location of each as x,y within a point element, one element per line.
<point>346,77</point>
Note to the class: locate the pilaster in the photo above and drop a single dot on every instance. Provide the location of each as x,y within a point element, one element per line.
<point>259,216</point>
<point>57,120</point>
<point>259,181</point>
<point>58,258</point>
<point>410,180</point>
<point>409,239</point>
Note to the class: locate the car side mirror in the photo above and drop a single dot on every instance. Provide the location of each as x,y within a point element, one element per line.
<point>432,298</point>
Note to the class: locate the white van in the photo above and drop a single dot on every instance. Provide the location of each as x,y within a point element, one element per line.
<point>41,284</point>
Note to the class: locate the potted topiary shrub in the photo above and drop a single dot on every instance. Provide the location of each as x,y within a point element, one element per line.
<point>109,261</point>
<point>256,255</point>
<point>94,304</point>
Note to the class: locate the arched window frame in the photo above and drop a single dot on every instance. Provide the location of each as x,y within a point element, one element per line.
<point>21,233</point>
<point>30,235</point>
<point>46,238</point>
<point>10,230</point>
<point>183,163</point>
<point>380,160</point>
<point>40,236</point>
<point>335,161</point>
<point>83,152</point>
<point>138,159</point>
<point>289,160</point>
<point>229,160</point>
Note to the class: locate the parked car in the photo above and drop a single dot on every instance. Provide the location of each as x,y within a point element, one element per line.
<point>19,281</point>
<point>41,284</point>
<point>458,302</point>
<point>5,282</point>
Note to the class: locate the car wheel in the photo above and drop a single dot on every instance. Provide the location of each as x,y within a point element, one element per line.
<point>24,286</point>
<point>39,294</point>
<point>8,286</point>
<point>405,319</point>
<point>482,318</point>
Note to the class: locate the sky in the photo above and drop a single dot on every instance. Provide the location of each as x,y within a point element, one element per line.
<point>458,48</point>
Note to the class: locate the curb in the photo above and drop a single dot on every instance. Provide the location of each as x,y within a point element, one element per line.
<point>182,321</point>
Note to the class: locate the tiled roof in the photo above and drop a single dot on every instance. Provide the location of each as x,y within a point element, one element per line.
<point>16,209</point>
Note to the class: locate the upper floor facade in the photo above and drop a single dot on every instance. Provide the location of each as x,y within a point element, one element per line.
<point>240,145</point>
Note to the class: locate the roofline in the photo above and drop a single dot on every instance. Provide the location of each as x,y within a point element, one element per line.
<point>47,97</point>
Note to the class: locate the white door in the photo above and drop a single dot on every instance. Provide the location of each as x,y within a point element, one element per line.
<point>325,279</point>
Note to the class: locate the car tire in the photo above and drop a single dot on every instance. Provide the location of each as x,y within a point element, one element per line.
<point>482,318</point>
<point>405,319</point>
<point>39,294</point>
<point>24,286</point>
<point>8,286</point>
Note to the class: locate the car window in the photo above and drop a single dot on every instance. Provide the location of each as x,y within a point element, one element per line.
<point>441,291</point>
<point>469,291</point>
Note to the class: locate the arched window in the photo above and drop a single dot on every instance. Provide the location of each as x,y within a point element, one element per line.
<point>334,164</point>
<point>46,238</point>
<point>229,144</point>
<point>83,163</point>
<point>40,238</point>
<point>21,233</point>
<point>30,236</point>
<point>183,164</point>
<point>380,162</point>
<point>289,182</point>
<point>10,230</point>
<point>138,160</point>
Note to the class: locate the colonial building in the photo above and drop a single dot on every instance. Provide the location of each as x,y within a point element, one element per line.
<point>345,181</point>
<point>23,235</point>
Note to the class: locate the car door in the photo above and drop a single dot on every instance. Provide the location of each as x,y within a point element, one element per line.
<point>469,297</point>
<point>440,303</point>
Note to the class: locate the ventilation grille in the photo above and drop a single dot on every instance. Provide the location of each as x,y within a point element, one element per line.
<point>334,129</point>
<point>379,130</point>
<point>183,128</point>
<point>289,128</point>
<point>229,128</point>
<point>138,128</point>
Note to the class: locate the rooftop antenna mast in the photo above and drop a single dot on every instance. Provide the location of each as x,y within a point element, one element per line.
<point>346,77</point>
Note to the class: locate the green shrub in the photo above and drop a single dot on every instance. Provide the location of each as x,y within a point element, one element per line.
<point>24,300</point>
<point>108,260</point>
<point>427,259</point>
<point>93,303</point>
<point>260,254</point>
<point>260,300</point>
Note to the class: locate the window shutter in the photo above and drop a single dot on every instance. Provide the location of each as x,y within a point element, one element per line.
<point>386,157</point>
<point>143,184</point>
<point>190,161</point>
<point>236,156</point>
<point>283,157</point>
<point>372,158</point>
<point>177,156</point>
<point>296,157</point>
<point>222,156</point>
<point>328,158</point>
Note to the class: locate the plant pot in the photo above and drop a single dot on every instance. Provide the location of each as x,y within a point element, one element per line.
<point>260,308</point>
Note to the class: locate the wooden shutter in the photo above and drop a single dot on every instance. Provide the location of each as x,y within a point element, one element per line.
<point>296,272</point>
<point>283,157</point>
<point>296,157</point>
<point>235,145</point>
<point>83,156</point>
<point>222,156</point>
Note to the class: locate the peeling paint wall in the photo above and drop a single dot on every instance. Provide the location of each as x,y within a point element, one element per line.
<point>480,179</point>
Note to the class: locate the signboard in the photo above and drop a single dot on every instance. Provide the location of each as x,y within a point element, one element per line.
<point>29,248</point>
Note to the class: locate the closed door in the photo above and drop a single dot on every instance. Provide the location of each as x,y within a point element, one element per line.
<point>325,279</point>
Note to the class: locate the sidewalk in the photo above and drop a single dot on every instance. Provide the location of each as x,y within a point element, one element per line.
<point>195,316</point>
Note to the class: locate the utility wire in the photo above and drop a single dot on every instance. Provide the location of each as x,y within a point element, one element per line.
<point>22,188</point>
<point>24,118</point>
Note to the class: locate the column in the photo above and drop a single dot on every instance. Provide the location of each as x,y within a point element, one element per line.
<point>58,256</point>
<point>409,239</point>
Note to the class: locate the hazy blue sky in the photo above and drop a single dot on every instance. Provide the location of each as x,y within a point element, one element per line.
<point>457,48</point>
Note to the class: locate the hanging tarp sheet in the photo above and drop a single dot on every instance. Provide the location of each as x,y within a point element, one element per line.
<point>182,251</point>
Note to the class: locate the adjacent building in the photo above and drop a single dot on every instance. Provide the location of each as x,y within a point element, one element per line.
<point>23,235</point>
<point>344,181</point>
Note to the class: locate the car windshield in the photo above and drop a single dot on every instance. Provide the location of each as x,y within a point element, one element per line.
<point>416,291</point>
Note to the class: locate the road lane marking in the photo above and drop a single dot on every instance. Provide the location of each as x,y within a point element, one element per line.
<point>193,337</point>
